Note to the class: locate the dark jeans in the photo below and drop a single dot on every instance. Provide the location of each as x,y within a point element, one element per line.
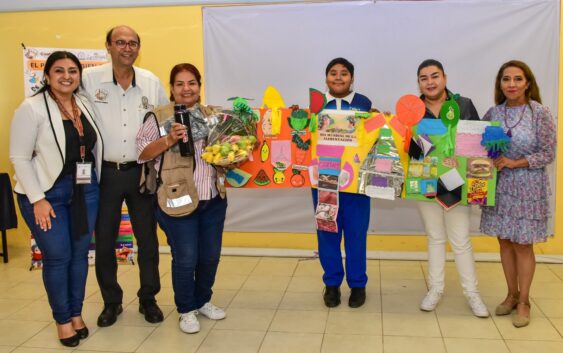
<point>65,259</point>
<point>195,243</point>
<point>116,186</point>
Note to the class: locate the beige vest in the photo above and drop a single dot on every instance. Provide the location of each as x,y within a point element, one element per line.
<point>176,193</point>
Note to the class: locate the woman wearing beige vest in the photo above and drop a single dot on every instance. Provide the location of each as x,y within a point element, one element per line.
<point>192,203</point>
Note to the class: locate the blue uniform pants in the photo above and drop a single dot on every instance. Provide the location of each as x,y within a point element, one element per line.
<point>353,222</point>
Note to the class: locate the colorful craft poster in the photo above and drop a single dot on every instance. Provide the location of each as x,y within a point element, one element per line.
<point>467,177</point>
<point>351,144</point>
<point>124,250</point>
<point>282,154</point>
<point>34,62</point>
<point>337,128</point>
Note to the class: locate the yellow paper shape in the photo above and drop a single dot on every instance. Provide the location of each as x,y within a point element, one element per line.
<point>273,100</point>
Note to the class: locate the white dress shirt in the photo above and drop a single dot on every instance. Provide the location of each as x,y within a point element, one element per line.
<point>121,111</point>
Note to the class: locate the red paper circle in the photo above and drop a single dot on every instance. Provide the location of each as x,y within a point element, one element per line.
<point>410,109</point>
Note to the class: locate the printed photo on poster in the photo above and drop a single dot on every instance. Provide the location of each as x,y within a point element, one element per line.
<point>337,128</point>
<point>480,168</point>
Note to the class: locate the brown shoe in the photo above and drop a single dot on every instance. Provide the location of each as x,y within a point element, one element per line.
<point>521,320</point>
<point>507,305</point>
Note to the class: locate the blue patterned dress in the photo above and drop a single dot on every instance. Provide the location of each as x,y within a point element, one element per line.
<point>521,210</point>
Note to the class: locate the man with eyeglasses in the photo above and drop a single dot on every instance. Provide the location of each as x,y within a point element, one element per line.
<point>123,94</point>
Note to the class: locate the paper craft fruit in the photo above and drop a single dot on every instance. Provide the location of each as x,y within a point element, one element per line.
<point>264,152</point>
<point>297,180</point>
<point>298,120</point>
<point>261,178</point>
<point>237,177</point>
<point>279,177</point>
<point>232,149</point>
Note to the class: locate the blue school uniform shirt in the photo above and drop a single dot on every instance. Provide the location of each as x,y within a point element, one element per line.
<point>353,101</point>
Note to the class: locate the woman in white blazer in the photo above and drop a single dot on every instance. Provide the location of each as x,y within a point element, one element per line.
<point>56,150</point>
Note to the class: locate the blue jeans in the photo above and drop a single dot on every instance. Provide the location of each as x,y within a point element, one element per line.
<point>65,259</point>
<point>195,243</point>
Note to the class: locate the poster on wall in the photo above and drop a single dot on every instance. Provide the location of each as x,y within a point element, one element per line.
<point>34,61</point>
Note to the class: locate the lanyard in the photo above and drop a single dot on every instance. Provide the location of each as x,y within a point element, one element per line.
<point>76,121</point>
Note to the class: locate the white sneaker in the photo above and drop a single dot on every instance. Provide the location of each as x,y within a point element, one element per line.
<point>476,304</point>
<point>431,300</point>
<point>188,322</point>
<point>212,312</point>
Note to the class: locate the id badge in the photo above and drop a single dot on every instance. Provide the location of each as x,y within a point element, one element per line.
<point>83,172</point>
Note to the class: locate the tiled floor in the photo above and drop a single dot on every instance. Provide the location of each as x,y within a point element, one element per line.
<point>274,305</point>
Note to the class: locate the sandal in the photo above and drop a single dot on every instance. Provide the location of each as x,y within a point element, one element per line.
<point>507,305</point>
<point>521,320</point>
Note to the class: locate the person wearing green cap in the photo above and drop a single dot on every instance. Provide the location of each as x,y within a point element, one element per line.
<point>453,224</point>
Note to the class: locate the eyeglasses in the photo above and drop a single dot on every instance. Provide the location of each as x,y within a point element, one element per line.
<point>121,44</point>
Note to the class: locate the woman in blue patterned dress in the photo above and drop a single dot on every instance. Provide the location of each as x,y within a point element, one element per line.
<point>519,218</point>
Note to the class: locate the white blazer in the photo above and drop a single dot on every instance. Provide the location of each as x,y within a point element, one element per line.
<point>38,144</point>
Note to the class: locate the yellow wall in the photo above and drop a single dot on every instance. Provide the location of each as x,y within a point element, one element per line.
<point>171,35</point>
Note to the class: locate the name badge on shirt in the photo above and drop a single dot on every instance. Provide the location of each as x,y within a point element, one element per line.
<point>83,172</point>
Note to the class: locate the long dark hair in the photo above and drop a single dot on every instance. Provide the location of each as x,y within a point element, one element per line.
<point>57,55</point>
<point>533,90</point>
<point>184,67</point>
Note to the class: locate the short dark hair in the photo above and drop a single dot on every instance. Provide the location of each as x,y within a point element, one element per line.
<point>180,68</point>
<point>348,65</point>
<point>110,33</point>
<point>430,62</point>
<point>57,55</point>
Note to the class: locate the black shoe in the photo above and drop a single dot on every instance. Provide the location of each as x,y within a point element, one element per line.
<point>83,332</point>
<point>357,297</point>
<point>72,341</point>
<point>331,296</point>
<point>152,312</point>
<point>109,314</point>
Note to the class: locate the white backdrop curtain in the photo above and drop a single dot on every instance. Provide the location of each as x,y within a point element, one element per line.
<point>247,48</point>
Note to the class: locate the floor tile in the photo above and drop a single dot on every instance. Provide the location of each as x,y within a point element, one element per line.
<point>246,299</point>
<point>404,344</point>
<point>266,283</point>
<point>401,303</point>
<point>299,321</point>
<point>422,324</point>
<point>275,266</point>
<point>552,308</point>
<point>372,304</point>
<point>46,338</point>
<point>302,301</point>
<point>285,342</point>
<point>357,323</point>
<point>401,272</point>
<point>221,341</point>
<point>310,284</point>
<point>132,317</point>
<point>534,346</point>
<point>459,326</point>
<point>538,329</point>
<point>233,266</point>
<point>117,338</point>
<point>335,343</point>
<point>246,319</point>
<point>16,332</point>
<point>6,349</point>
<point>9,307</point>
<point>403,287</point>
<point>309,268</point>
<point>471,345</point>
<point>40,350</point>
<point>229,281</point>
<point>223,297</point>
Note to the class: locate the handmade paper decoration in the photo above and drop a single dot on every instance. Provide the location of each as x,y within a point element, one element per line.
<point>457,170</point>
<point>449,114</point>
<point>496,141</point>
<point>273,100</point>
<point>317,102</point>
<point>381,174</point>
<point>410,109</point>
